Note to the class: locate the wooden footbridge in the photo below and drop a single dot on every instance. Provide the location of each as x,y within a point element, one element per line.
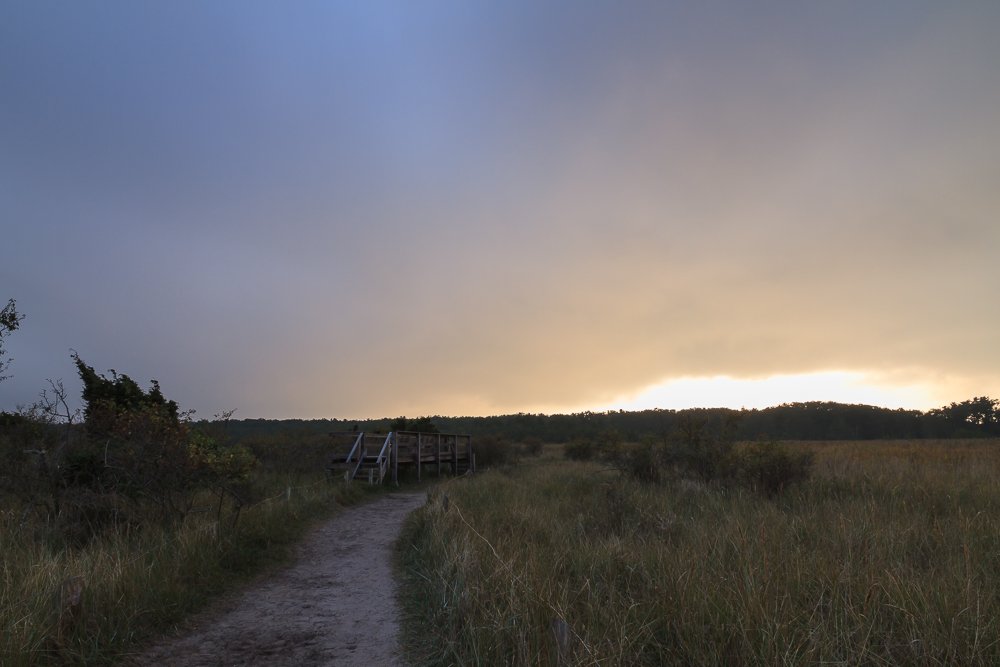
<point>378,456</point>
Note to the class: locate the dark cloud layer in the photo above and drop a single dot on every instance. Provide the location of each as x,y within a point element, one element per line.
<point>338,210</point>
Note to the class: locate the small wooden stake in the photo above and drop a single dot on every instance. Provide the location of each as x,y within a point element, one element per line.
<point>68,606</point>
<point>561,636</point>
<point>445,502</point>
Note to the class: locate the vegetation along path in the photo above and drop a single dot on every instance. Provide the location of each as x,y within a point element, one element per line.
<point>335,605</point>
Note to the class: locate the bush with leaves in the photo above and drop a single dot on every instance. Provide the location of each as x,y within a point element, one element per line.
<point>580,450</point>
<point>34,443</point>
<point>107,399</point>
<point>418,425</point>
<point>702,448</point>
<point>610,443</point>
<point>291,453</point>
<point>705,449</point>
<point>28,467</point>
<point>150,456</point>
<point>10,320</point>
<point>532,446</point>
<point>138,459</point>
<point>641,461</point>
<point>768,466</point>
<point>491,450</point>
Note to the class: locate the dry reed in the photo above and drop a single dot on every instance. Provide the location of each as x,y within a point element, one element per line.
<point>889,555</point>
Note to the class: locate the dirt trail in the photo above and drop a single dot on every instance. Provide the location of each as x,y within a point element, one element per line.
<point>335,605</point>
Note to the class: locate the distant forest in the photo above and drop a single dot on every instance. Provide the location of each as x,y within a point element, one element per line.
<point>975,418</point>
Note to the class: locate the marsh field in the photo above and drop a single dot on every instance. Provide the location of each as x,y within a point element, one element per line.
<point>142,572</point>
<point>889,554</point>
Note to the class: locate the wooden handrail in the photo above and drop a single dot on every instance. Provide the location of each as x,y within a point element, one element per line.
<point>361,459</point>
<point>385,446</point>
<point>361,437</point>
<point>383,460</point>
<point>449,446</point>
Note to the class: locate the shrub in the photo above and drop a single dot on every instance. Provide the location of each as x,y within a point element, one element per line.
<point>149,456</point>
<point>619,512</point>
<point>140,460</point>
<point>580,450</point>
<point>420,424</point>
<point>108,399</point>
<point>702,448</point>
<point>768,467</point>
<point>32,448</point>
<point>640,462</point>
<point>532,446</point>
<point>610,443</point>
<point>291,453</point>
<point>492,450</point>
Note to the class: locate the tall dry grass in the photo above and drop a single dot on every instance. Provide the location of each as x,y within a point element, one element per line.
<point>141,582</point>
<point>889,555</point>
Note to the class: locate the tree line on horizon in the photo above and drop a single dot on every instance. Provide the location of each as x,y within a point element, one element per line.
<point>974,418</point>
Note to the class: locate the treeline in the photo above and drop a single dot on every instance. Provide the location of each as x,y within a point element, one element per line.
<point>975,418</point>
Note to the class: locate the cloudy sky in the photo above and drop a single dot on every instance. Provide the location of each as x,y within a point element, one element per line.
<point>379,208</point>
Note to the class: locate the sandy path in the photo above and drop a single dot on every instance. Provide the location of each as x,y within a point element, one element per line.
<point>335,605</point>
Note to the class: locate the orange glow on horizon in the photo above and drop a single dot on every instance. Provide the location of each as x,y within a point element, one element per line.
<point>727,392</point>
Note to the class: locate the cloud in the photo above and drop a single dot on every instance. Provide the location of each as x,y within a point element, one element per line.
<point>332,212</point>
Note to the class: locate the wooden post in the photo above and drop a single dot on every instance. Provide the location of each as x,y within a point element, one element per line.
<point>394,453</point>
<point>437,457</point>
<point>68,608</point>
<point>561,638</point>
<point>418,457</point>
<point>454,458</point>
<point>472,455</point>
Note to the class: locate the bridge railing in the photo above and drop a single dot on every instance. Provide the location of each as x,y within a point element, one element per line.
<point>407,448</point>
<point>383,457</point>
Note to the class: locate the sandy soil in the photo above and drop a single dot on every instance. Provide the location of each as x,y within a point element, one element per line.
<point>335,605</point>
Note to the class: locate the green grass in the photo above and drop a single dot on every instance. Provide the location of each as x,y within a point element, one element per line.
<point>141,583</point>
<point>890,555</point>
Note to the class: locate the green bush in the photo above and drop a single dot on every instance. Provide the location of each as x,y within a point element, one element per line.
<point>580,450</point>
<point>768,467</point>
<point>532,446</point>
<point>291,453</point>
<point>135,460</point>
<point>702,448</point>
<point>705,450</point>
<point>420,425</point>
<point>641,462</point>
<point>492,450</point>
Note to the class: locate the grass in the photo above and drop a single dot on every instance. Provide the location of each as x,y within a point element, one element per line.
<point>889,555</point>
<point>141,583</point>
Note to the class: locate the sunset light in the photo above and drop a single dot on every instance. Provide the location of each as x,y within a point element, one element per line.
<point>499,333</point>
<point>725,392</point>
<point>320,210</point>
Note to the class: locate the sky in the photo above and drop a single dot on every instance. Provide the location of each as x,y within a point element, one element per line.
<point>332,209</point>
